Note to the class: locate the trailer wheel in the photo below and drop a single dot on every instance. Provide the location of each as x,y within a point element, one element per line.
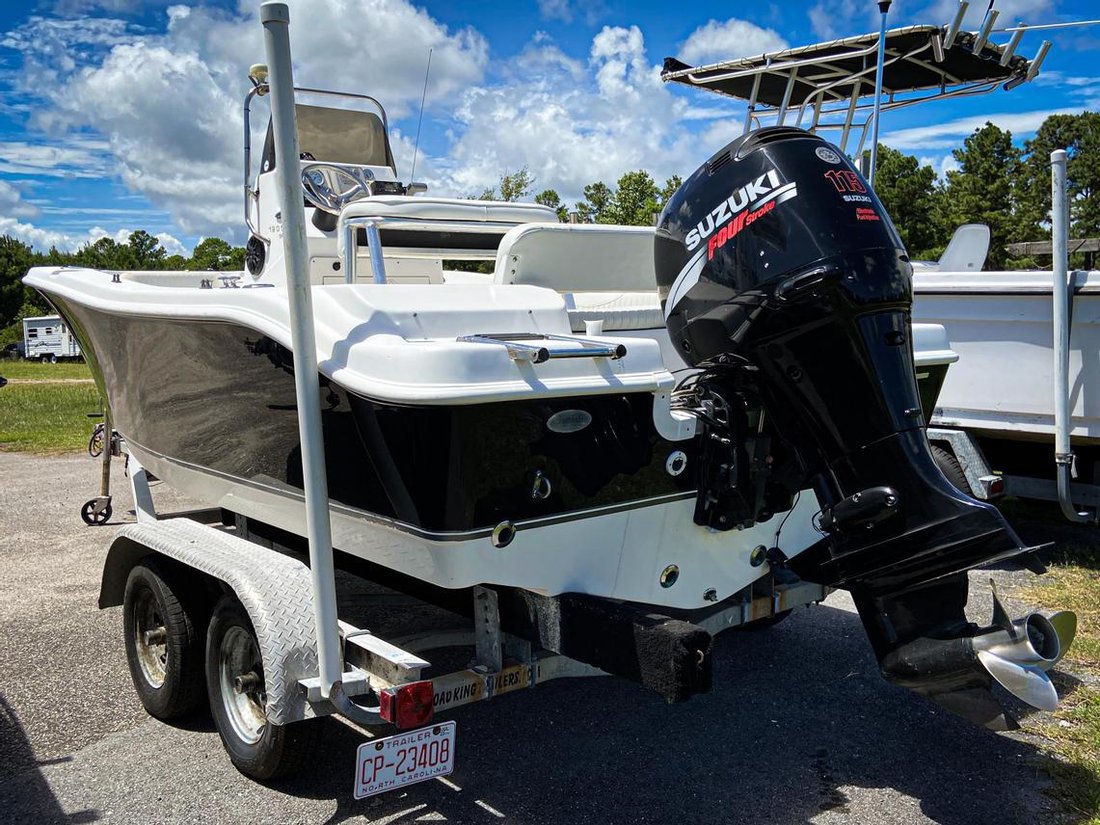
<point>238,699</point>
<point>163,647</point>
<point>952,469</point>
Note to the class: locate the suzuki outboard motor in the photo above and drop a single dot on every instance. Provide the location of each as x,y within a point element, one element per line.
<point>784,281</point>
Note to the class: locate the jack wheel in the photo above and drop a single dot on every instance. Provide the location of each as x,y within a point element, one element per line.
<point>238,699</point>
<point>91,517</point>
<point>163,647</point>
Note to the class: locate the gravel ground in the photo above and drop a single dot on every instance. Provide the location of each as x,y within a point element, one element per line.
<point>799,728</point>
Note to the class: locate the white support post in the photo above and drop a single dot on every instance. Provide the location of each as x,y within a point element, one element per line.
<point>275,17</point>
<point>1059,225</point>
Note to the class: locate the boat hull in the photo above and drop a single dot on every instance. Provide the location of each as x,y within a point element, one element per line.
<point>1003,385</point>
<point>209,407</point>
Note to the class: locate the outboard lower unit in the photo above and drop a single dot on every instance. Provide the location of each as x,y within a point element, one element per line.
<point>785,283</point>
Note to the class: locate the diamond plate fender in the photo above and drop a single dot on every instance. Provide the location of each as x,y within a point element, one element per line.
<point>275,590</point>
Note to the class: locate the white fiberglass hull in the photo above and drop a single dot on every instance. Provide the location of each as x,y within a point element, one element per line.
<point>1000,324</point>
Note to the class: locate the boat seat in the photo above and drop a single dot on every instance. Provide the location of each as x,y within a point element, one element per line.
<point>604,273</point>
<point>966,251</point>
<point>448,209</point>
<point>618,310</point>
<point>578,257</point>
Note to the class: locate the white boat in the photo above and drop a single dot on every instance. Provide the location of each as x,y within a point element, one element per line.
<point>999,406</point>
<point>651,419</point>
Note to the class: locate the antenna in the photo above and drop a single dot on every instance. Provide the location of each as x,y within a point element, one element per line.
<point>884,8</point>
<point>420,120</point>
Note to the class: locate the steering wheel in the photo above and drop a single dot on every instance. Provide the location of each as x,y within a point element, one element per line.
<point>332,186</point>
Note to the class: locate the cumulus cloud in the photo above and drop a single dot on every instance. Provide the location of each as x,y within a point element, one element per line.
<point>42,238</point>
<point>12,204</point>
<point>715,41</point>
<point>572,124</point>
<point>160,111</point>
<point>168,105</point>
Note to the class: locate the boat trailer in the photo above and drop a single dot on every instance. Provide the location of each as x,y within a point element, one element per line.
<point>518,639</point>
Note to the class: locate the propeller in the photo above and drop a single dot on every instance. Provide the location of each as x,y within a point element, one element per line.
<point>1017,654</point>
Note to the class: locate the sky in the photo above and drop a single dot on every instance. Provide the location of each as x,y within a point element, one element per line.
<point>118,115</point>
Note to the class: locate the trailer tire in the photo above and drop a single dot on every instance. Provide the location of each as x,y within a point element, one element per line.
<point>256,747</point>
<point>167,675</point>
<point>952,469</point>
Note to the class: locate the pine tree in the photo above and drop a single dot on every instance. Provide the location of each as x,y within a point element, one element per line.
<point>986,189</point>
<point>911,197</point>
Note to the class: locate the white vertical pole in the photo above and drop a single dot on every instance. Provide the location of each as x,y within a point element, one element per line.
<point>276,21</point>
<point>1059,236</point>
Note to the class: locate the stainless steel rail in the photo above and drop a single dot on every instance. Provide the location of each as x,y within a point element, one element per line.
<point>348,239</point>
<point>519,349</point>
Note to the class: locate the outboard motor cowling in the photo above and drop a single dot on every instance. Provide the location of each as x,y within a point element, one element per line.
<point>785,282</point>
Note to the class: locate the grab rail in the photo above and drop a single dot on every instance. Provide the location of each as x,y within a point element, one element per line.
<point>534,354</point>
<point>348,238</point>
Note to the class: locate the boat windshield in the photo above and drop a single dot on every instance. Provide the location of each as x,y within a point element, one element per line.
<point>337,136</point>
<point>342,136</point>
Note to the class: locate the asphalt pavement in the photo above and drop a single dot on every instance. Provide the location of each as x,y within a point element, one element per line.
<point>799,726</point>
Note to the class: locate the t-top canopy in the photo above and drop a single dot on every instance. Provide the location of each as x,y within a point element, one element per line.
<point>834,78</point>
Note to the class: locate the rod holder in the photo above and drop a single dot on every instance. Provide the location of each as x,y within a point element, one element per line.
<point>953,29</point>
<point>1010,48</point>
<point>983,34</point>
<point>1037,61</point>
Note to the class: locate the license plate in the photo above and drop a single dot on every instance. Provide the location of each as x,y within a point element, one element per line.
<point>404,758</point>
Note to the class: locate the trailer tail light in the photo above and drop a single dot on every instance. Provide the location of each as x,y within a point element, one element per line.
<point>408,706</point>
<point>994,486</point>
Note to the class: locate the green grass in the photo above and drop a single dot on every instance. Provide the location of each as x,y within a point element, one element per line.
<point>22,369</point>
<point>1075,733</point>
<point>46,417</point>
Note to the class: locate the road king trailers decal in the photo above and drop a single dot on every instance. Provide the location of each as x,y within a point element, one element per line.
<point>747,204</point>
